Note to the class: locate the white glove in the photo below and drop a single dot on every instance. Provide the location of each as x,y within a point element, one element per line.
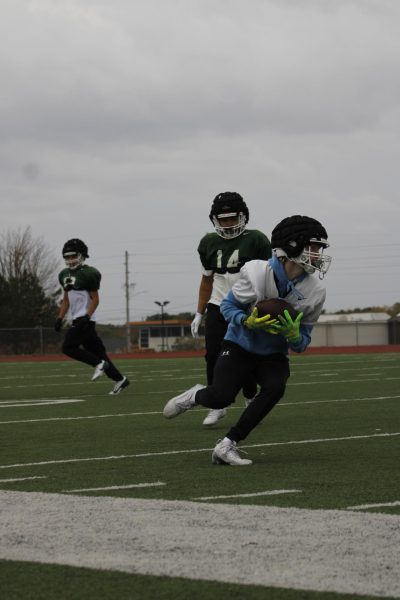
<point>196,324</point>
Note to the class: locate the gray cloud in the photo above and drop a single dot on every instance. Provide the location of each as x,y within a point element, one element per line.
<point>121,121</point>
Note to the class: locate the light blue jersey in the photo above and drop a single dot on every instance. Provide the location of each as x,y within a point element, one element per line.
<point>261,279</point>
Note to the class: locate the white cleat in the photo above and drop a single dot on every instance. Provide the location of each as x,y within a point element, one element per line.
<point>214,415</point>
<point>100,369</point>
<point>181,403</point>
<point>119,386</point>
<point>227,453</point>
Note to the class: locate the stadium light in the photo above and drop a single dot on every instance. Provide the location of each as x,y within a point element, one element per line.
<point>162,305</point>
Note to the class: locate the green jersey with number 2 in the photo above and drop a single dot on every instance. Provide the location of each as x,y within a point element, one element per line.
<point>77,283</point>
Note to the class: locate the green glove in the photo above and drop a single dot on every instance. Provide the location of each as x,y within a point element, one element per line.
<point>287,327</point>
<point>255,322</point>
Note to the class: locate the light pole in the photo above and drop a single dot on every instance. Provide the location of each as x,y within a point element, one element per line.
<point>161,305</point>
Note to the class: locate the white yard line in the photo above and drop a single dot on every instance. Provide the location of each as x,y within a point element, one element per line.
<point>186,377</point>
<point>141,414</point>
<point>297,365</point>
<point>362,506</point>
<point>268,493</point>
<point>110,416</point>
<point>294,384</point>
<point>22,478</point>
<point>117,487</point>
<point>18,404</point>
<point>39,400</point>
<point>326,551</point>
<point>192,451</point>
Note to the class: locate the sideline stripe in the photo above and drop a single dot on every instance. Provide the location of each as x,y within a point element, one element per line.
<point>117,487</point>
<point>23,478</point>
<point>362,506</point>
<point>140,414</point>
<point>270,493</point>
<point>172,452</point>
<point>303,549</point>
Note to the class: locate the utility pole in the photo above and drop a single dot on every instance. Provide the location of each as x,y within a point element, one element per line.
<point>128,327</point>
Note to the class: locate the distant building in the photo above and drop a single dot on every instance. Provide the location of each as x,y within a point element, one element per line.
<point>352,329</point>
<point>152,335</point>
<point>353,317</point>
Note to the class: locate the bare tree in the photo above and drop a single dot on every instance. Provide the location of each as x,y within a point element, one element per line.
<point>28,282</point>
<point>22,254</point>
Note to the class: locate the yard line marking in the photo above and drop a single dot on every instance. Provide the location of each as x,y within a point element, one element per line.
<point>117,487</point>
<point>316,382</point>
<point>25,400</point>
<point>85,417</point>
<point>18,404</point>
<point>337,400</point>
<point>319,382</point>
<point>270,493</point>
<point>362,506</point>
<point>296,366</point>
<point>158,412</point>
<point>23,478</point>
<point>192,451</point>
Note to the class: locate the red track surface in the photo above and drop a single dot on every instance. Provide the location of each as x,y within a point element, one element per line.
<point>141,355</point>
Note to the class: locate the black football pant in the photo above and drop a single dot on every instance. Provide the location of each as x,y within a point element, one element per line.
<point>215,330</point>
<point>234,364</point>
<point>87,347</point>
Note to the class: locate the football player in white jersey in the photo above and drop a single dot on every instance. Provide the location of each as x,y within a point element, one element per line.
<point>222,254</point>
<point>81,284</point>
<point>260,345</point>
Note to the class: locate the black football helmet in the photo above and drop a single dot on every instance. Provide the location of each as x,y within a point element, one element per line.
<point>293,236</point>
<point>74,253</point>
<point>229,204</point>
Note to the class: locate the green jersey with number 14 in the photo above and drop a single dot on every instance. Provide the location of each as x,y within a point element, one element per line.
<point>223,258</point>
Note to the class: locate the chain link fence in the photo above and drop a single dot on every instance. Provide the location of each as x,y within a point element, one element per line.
<point>35,340</point>
<point>44,340</point>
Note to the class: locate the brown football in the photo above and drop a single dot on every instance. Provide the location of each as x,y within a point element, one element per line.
<point>275,307</point>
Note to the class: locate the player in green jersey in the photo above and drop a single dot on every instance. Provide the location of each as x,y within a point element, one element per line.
<point>222,254</point>
<point>81,285</point>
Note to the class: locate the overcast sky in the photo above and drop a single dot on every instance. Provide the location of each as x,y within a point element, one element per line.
<point>120,122</point>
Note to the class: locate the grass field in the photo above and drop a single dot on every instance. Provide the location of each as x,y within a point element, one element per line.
<point>328,453</point>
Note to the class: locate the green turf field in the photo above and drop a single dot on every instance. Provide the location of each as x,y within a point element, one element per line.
<point>332,444</point>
